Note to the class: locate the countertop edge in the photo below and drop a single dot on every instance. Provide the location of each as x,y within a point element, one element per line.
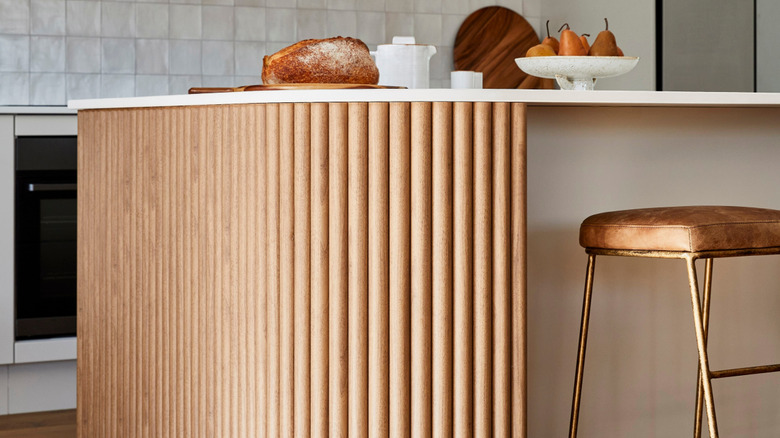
<point>530,97</point>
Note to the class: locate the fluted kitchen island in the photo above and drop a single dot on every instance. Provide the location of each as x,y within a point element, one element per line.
<point>270,268</point>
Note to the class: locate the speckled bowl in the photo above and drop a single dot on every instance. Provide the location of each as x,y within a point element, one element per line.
<point>577,72</point>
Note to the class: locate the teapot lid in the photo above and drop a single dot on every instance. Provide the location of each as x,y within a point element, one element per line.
<point>404,40</point>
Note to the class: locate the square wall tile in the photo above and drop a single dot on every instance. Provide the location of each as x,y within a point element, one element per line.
<point>185,22</point>
<point>182,84</point>
<point>47,89</point>
<point>273,47</point>
<point>250,24</point>
<point>117,19</point>
<point>47,54</point>
<point>83,18</point>
<point>342,5</point>
<point>218,2</point>
<point>15,53</point>
<point>399,6</point>
<point>217,23</point>
<point>247,80</point>
<point>14,16</point>
<point>117,85</point>
<point>218,58</point>
<point>254,3</point>
<point>515,5</point>
<point>312,4</point>
<point>83,55</point>
<point>151,20</point>
<point>280,24</point>
<point>398,24</point>
<point>278,3</point>
<point>118,55</point>
<point>342,23</point>
<point>151,85</point>
<point>456,7</point>
<point>249,59</point>
<point>427,29</point>
<point>218,81</point>
<point>479,4</point>
<point>428,6</point>
<point>83,86</point>
<point>47,17</point>
<point>311,24</point>
<point>371,5</point>
<point>151,57</point>
<point>371,27</point>
<point>185,57</point>
<point>14,88</point>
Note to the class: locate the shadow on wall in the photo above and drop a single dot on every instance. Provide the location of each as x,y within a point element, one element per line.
<point>641,363</point>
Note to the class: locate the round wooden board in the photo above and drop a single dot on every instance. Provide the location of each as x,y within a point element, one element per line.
<point>489,40</point>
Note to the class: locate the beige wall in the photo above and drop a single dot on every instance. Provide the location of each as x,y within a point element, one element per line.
<point>641,367</point>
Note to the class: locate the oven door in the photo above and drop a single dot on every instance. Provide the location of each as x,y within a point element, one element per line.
<point>45,246</point>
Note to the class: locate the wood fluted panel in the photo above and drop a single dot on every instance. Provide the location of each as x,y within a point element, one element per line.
<point>302,269</point>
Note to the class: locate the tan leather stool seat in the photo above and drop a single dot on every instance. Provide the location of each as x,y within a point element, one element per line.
<point>687,229</point>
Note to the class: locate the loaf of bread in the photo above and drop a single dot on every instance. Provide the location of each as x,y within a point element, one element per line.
<point>336,60</point>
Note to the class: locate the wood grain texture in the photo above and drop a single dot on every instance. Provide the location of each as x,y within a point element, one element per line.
<point>302,269</point>
<point>489,40</point>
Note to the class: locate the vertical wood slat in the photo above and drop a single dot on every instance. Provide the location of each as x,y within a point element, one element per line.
<point>502,273</point>
<point>319,270</point>
<point>402,321</point>
<point>286,268</point>
<point>483,306</point>
<point>378,274</point>
<point>338,269</point>
<point>421,268</point>
<point>519,270</point>
<point>462,266</point>
<point>358,268</point>
<point>441,275</point>
<point>302,305</point>
<point>399,276</point>
<point>272,270</point>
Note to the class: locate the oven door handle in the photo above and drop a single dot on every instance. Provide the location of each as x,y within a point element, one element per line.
<point>50,187</point>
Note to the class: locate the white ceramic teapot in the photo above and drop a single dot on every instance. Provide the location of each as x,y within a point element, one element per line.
<point>404,63</point>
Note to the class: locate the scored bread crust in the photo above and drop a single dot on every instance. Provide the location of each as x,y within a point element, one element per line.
<point>339,60</point>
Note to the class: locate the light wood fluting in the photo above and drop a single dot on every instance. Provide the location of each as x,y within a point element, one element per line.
<point>358,269</point>
<point>378,274</point>
<point>302,187</point>
<point>286,269</point>
<point>519,266</point>
<point>338,270</point>
<point>319,269</point>
<point>421,267</point>
<point>400,286</point>
<point>502,273</point>
<point>462,265</point>
<point>441,275</point>
<point>483,273</point>
<point>324,269</point>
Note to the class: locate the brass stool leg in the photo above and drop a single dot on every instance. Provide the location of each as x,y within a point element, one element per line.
<point>702,347</point>
<point>706,324</point>
<point>575,405</point>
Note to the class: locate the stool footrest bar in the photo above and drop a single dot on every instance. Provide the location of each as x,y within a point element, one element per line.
<point>745,371</point>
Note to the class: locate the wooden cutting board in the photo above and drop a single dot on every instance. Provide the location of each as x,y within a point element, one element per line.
<point>263,87</point>
<point>489,40</point>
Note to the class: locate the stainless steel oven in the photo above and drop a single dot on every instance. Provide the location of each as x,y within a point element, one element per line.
<point>45,237</point>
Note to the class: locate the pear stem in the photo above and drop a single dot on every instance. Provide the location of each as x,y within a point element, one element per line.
<point>548,28</point>
<point>566,25</point>
<point>605,21</point>
<point>586,34</point>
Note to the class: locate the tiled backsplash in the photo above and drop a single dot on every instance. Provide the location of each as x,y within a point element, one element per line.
<point>55,50</point>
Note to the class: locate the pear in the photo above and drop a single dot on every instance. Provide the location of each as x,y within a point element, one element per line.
<point>540,50</point>
<point>551,41</point>
<point>571,45</point>
<point>584,41</point>
<point>605,44</point>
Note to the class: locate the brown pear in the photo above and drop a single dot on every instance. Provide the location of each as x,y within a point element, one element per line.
<point>605,44</point>
<point>551,41</point>
<point>584,40</point>
<point>570,43</point>
<point>540,50</point>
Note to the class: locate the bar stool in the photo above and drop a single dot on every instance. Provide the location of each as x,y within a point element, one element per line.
<point>687,233</point>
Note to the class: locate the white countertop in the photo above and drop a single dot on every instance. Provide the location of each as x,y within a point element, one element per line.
<point>532,97</point>
<point>36,110</point>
